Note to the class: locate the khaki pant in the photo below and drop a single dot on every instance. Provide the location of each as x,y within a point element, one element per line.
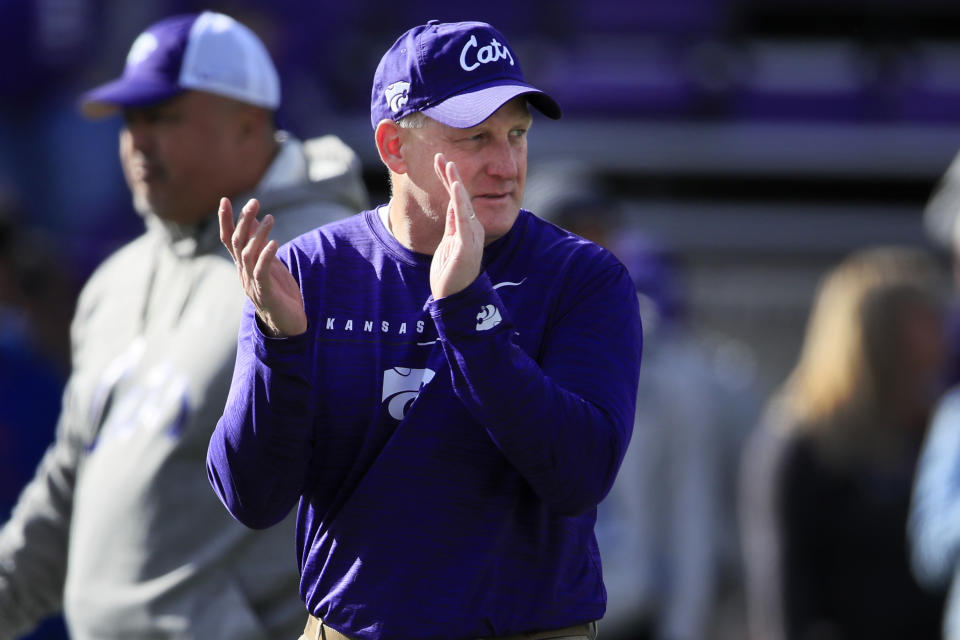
<point>316,630</point>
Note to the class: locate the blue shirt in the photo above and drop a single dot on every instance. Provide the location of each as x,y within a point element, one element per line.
<point>447,455</point>
<point>934,524</point>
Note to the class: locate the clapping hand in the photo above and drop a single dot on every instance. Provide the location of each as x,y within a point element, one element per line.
<point>456,262</point>
<point>264,278</point>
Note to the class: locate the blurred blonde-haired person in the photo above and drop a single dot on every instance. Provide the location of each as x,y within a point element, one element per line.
<point>826,478</point>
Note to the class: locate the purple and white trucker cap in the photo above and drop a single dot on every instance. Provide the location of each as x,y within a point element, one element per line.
<point>206,51</point>
<point>457,73</point>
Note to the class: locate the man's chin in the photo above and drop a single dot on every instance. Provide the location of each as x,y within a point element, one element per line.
<point>148,207</point>
<point>496,224</point>
<point>505,209</point>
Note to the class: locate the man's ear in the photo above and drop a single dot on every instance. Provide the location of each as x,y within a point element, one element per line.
<point>388,136</point>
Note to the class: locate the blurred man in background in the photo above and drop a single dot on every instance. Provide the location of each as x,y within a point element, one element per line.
<point>118,528</point>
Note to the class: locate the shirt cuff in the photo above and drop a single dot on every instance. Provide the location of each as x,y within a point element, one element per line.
<point>277,351</point>
<point>473,312</point>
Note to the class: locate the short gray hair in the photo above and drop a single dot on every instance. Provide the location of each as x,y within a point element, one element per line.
<point>413,120</point>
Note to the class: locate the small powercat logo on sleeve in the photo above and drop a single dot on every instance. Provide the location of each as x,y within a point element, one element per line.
<point>488,318</point>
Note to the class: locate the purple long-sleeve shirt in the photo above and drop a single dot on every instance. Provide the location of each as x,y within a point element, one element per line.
<point>447,455</point>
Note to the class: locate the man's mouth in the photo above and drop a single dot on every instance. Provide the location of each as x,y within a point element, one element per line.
<point>492,196</point>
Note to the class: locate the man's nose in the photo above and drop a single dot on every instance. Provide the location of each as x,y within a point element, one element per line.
<point>503,160</point>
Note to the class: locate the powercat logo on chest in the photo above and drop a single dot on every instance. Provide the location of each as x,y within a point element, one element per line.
<point>401,386</point>
<point>470,59</point>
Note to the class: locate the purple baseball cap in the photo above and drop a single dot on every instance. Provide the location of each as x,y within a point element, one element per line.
<point>206,51</point>
<point>457,73</point>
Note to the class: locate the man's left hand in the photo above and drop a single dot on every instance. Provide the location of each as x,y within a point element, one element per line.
<point>456,262</point>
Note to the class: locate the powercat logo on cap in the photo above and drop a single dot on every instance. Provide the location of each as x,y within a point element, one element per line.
<point>470,59</point>
<point>396,95</point>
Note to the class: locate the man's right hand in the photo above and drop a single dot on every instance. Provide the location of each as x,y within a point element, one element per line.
<point>265,279</point>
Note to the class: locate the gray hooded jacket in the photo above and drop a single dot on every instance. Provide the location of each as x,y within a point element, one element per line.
<point>119,528</point>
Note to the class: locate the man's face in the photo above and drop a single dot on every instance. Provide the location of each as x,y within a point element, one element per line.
<point>180,156</point>
<point>491,158</point>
